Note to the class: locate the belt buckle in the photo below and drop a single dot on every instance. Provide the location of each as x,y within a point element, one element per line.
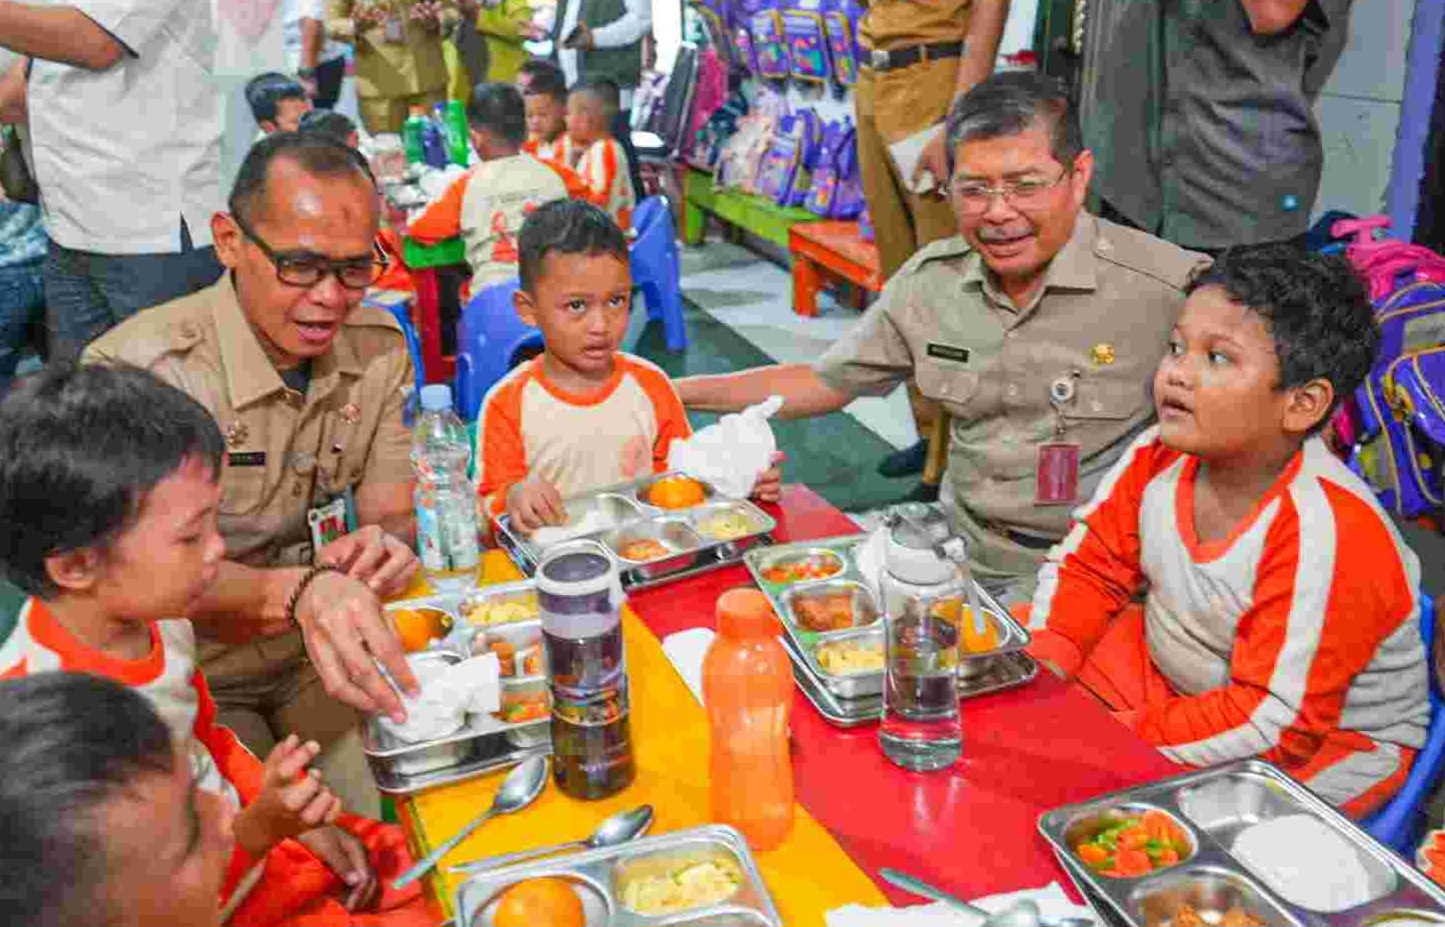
<point>878,58</point>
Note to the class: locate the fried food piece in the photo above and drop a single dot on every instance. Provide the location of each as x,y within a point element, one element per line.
<point>642,550</point>
<point>825,612</point>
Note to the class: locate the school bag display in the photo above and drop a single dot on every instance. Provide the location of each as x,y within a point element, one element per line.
<point>840,25</point>
<point>807,41</point>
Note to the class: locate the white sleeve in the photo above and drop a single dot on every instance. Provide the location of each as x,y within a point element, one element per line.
<point>630,27</point>
<point>135,22</point>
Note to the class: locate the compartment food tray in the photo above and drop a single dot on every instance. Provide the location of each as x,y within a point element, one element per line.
<point>1013,638</point>
<point>618,514</point>
<point>1213,806</point>
<point>598,877</point>
<point>484,745</point>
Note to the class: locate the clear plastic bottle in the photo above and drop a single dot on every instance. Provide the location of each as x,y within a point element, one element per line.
<point>446,500</point>
<point>411,135</point>
<point>748,688</point>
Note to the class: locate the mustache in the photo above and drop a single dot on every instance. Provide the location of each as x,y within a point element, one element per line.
<point>1004,233</point>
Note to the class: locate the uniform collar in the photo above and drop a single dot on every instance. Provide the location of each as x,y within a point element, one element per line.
<point>1075,267</point>
<point>250,375</point>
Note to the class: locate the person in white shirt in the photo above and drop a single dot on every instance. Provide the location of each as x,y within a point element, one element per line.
<point>126,128</point>
<point>319,61</point>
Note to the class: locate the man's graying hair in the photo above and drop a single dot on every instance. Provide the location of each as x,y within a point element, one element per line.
<point>1012,103</point>
<point>316,153</point>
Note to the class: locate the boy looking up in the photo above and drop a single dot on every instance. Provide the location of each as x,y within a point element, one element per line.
<point>1280,616</point>
<point>486,206</point>
<point>545,95</point>
<point>109,495</point>
<point>591,108</point>
<point>583,415</point>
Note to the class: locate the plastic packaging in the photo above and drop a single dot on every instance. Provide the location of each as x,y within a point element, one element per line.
<point>748,691</point>
<point>446,500</point>
<point>412,133</point>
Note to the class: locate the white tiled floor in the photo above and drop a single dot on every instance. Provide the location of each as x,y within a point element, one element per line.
<point>753,297</point>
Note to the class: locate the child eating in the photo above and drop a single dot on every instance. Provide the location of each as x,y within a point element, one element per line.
<point>1280,612</point>
<point>584,414</point>
<point>109,496</point>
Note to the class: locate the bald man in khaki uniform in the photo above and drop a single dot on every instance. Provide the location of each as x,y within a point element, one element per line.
<point>919,57</point>
<point>1037,329</point>
<point>307,387</point>
<point>399,60</point>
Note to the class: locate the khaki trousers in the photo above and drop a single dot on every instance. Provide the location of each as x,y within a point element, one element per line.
<point>893,105</point>
<point>386,114</point>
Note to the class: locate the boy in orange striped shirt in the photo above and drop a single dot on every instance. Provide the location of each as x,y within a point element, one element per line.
<point>591,109</point>
<point>584,414</point>
<point>1280,614</point>
<point>545,95</point>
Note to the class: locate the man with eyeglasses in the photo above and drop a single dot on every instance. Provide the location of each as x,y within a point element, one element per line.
<point>307,386</point>
<point>1037,328</point>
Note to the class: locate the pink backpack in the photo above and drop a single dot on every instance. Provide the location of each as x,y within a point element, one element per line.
<point>1387,264</point>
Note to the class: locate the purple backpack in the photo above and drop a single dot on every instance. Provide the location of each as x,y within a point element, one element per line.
<point>807,41</point>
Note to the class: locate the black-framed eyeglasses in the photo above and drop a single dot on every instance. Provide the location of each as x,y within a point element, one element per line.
<point>974,196</point>
<point>306,269</point>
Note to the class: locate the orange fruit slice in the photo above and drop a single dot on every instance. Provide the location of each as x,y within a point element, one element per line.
<point>418,627</point>
<point>675,492</point>
<point>540,903</point>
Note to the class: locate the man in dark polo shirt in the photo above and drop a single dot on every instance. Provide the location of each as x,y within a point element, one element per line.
<point>1200,114</point>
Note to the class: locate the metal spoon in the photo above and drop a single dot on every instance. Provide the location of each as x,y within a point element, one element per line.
<point>616,830</point>
<point>1023,914</point>
<point>519,789</point>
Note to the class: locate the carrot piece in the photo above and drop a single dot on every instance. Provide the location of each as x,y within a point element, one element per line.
<point>1167,857</point>
<point>1093,855</point>
<point>1133,838</point>
<point>1132,862</point>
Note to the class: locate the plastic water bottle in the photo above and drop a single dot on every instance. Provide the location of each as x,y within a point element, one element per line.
<point>434,143</point>
<point>446,500</point>
<point>748,689</point>
<point>412,132</point>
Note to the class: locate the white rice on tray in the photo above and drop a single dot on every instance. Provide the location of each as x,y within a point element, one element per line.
<point>1306,861</point>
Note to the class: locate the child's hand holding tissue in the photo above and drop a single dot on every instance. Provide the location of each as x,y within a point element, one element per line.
<point>738,454</point>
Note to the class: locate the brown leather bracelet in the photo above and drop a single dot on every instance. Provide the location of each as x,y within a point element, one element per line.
<point>295,597</point>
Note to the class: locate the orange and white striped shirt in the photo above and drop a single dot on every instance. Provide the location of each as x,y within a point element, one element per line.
<point>604,168</point>
<point>530,426</point>
<point>559,150</point>
<point>1295,638</point>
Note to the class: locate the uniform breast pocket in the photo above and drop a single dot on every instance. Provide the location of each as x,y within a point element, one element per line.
<point>243,490</point>
<point>950,385</point>
<point>1105,399</point>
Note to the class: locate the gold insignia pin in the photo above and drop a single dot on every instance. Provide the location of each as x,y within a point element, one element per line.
<point>236,434</point>
<point>1102,354</point>
<point>351,413</point>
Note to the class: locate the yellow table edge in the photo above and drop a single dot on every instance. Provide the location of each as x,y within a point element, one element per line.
<point>807,876</point>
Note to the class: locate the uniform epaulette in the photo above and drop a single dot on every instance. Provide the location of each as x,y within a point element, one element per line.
<point>1145,254</point>
<point>952,247</point>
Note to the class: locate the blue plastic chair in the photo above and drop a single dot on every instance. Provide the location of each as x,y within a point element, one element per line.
<point>401,311</point>
<point>1401,822</point>
<point>490,337</point>
<point>657,270</point>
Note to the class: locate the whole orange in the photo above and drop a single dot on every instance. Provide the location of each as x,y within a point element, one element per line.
<point>418,626</point>
<point>540,903</point>
<point>675,492</point>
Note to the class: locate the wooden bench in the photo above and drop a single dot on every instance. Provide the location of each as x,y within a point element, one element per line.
<point>824,250</point>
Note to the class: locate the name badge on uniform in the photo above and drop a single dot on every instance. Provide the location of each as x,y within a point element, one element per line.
<point>328,522</point>
<point>948,352</point>
<point>246,459</point>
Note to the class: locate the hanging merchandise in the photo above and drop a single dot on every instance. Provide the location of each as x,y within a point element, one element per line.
<point>745,53</point>
<point>807,42</point>
<point>836,154</point>
<point>840,24</point>
<point>719,129</point>
<point>784,174</point>
<point>849,201</point>
<point>769,44</point>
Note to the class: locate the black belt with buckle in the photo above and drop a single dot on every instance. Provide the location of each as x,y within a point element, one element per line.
<point>881,60</point>
<point>1031,541</point>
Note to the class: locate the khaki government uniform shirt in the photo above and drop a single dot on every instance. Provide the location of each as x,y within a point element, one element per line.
<point>285,452</point>
<point>1099,322</point>
<point>891,24</point>
<point>391,69</point>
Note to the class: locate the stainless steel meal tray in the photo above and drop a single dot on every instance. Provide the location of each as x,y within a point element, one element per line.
<point>616,515</point>
<point>484,744</point>
<point>1010,671</point>
<point>843,551</point>
<point>599,877</point>
<point>1213,806</point>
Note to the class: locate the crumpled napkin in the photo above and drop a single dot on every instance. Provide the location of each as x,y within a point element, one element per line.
<point>686,650</point>
<point>448,695</point>
<point>732,452</point>
<point>1050,899</point>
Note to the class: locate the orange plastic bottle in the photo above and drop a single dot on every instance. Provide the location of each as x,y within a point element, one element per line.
<point>748,687</point>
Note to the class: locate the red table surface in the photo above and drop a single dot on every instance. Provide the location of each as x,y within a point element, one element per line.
<point>970,830</point>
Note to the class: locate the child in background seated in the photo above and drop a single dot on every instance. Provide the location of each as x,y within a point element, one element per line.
<point>277,102</point>
<point>1280,615</point>
<point>486,205</point>
<point>544,90</point>
<point>109,496</point>
<point>583,415</point>
<point>591,109</point>
<point>329,122</point>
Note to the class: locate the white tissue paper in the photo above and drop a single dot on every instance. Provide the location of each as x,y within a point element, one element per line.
<point>1051,901</point>
<point>732,452</point>
<point>686,650</point>
<point>448,695</point>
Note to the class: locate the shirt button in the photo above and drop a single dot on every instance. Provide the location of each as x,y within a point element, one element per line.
<point>1013,391</point>
<point>1010,334</point>
<point>294,399</point>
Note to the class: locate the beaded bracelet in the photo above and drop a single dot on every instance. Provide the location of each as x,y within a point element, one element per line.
<point>300,589</point>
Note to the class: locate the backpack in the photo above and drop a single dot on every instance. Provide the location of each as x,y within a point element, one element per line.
<point>807,42</point>
<point>840,24</point>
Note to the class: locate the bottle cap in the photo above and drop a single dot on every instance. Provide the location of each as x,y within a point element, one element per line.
<point>745,612</point>
<point>912,559</point>
<point>436,397</point>
<point>417,110</point>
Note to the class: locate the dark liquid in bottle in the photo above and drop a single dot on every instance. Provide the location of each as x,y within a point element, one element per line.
<point>592,760</point>
<point>583,665</point>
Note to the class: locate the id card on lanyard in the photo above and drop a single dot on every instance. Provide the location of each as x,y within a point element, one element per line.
<point>1056,473</point>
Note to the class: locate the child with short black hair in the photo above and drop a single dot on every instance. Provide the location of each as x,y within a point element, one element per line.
<point>1281,614</point>
<point>592,107</point>
<point>109,495</point>
<point>277,102</point>
<point>544,91</point>
<point>329,122</point>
